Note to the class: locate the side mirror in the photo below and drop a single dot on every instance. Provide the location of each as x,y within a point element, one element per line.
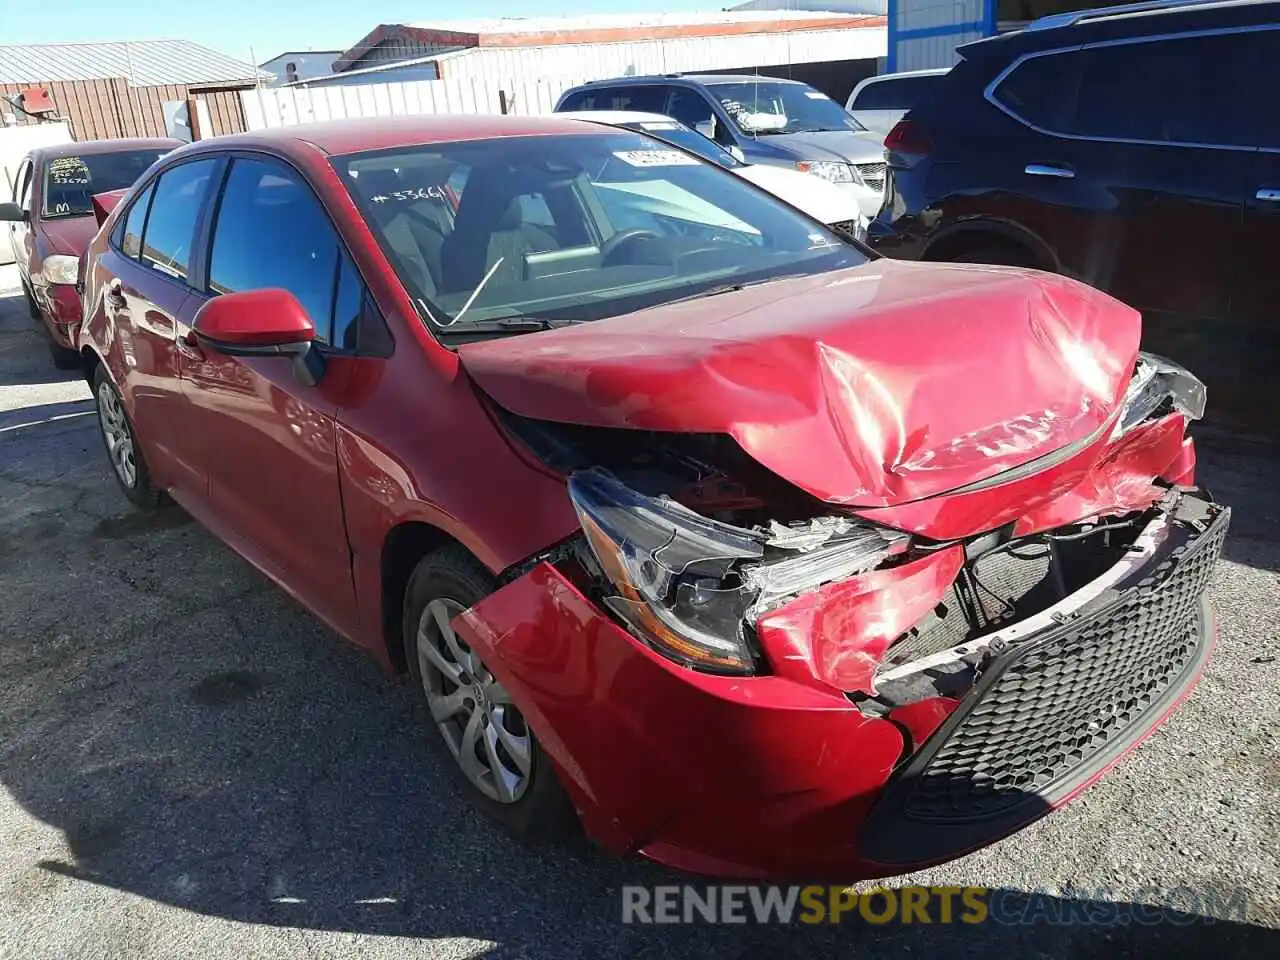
<point>261,323</point>
<point>12,212</point>
<point>104,203</point>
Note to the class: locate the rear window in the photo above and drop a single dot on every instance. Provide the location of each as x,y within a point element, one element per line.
<point>71,182</point>
<point>897,93</point>
<point>649,98</point>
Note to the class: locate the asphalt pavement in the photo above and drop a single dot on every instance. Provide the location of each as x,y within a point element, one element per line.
<point>193,766</point>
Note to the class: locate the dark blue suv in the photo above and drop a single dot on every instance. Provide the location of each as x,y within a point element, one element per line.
<point>1136,148</point>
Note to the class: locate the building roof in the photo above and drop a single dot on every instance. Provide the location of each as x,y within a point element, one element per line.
<point>144,63</point>
<point>599,28</point>
<point>302,53</point>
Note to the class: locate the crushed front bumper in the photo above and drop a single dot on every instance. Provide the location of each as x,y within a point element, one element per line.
<point>1051,711</point>
<point>769,776</point>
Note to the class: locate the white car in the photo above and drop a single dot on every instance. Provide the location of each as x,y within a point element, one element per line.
<point>815,196</point>
<point>879,102</point>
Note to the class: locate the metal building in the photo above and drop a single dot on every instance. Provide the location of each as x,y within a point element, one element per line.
<point>925,33</point>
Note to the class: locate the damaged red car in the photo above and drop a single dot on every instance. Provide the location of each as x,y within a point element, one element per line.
<point>691,521</point>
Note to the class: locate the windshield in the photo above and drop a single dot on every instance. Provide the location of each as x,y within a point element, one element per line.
<point>71,182</point>
<point>573,228</point>
<point>690,140</point>
<point>764,107</point>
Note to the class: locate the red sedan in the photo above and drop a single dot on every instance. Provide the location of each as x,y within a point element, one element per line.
<point>690,520</point>
<point>50,222</point>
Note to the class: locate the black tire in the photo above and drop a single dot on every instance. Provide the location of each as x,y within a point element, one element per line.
<point>543,812</point>
<point>141,492</point>
<point>64,358</point>
<point>1003,254</point>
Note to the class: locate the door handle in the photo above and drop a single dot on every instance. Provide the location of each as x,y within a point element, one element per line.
<point>1269,194</point>
<point>1049,170</point>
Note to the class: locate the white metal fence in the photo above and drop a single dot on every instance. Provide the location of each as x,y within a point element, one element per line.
<point>286,106</point>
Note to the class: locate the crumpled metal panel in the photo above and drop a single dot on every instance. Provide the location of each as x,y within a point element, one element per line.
<point>838,634</point>
<point>876,385</point>
<point>1121,481</point>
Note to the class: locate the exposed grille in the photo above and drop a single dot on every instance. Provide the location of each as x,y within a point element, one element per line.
<point>1052,706</point>
<point>872,174</point>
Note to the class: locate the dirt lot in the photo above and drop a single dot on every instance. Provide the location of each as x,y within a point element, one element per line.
<point>190,765</point>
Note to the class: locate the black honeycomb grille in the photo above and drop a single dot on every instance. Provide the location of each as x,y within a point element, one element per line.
<point>1055,705</point>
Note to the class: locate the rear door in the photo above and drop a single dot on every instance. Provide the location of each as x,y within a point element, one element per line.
<point>1254,339</point>
<point>266,441</point>
<point>149,305</point>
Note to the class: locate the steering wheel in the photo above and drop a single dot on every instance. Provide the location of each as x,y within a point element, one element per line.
<point>622,238</point>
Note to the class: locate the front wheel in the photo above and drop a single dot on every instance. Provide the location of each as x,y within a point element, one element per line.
<point>497,757</point>
<point>127,462</point>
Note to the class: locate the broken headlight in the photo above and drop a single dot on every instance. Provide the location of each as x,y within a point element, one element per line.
<point>1157,383</point>
<point>688,585</point>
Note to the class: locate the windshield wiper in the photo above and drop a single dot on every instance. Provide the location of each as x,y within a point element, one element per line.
<point>504,325</point>
<point>725,288</point>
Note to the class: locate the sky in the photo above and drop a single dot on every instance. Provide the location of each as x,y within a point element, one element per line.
<point>271,27</point>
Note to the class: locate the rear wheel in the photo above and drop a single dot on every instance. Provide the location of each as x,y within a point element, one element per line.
<point>127,461</point>
<point>496,756</point>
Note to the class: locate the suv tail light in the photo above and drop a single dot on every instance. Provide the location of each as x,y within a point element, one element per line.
<point>907,143</point>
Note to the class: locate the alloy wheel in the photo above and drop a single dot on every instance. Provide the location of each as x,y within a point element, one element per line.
<point>116,432</point>
<point>481,727</point>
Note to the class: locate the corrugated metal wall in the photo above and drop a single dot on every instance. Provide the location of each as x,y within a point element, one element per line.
<point>108,109</point>
<point>925,33</point>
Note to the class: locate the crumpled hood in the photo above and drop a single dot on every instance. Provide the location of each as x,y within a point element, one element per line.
<point>873,386</point>
<point>69,236</point>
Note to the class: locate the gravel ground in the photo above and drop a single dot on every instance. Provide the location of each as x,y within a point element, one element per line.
<point>191,765</point>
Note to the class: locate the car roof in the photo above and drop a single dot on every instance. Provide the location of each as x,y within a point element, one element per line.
<point>618,117</point>
<point>89,148</point>
<point>706,79</point>
<point>902,74</point>
<point>337,137</point>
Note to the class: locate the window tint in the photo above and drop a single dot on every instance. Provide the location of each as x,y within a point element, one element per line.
<point>899,93</point>
<point>130,229</point>
<point>272,232</point>
<point>1171,91</point>
<point>175,206</point>
<point>1042,90</point>
<point>690,108</point>
<point>1263,108</point>
<point>649,98</point>
<point>1175,91</point>
<point>347,306</point>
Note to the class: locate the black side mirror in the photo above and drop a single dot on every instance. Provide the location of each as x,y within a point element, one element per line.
<point>12,212</point>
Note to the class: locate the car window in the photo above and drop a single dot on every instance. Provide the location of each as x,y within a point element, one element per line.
<point>71,181</point>
<point>1174,91</point>
<point>575,227</point>
<point>130,229</point>
<point>171,224</point>
<point>1043,91</point>
<point>271,231</point>
<point>644,98</point>
<point>23,186</point>
<point>690,107</point>
<point>1263,106</point>
<point>1171,91</point>
<point>894,93</point>
<point>767,107</point>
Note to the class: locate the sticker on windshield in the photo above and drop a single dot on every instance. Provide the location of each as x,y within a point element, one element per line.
<point>69,170</point>
<point>418,193</point>
<point>815,95</point>
<point>655,158</point>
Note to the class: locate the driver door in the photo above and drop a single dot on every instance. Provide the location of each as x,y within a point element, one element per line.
<point>267,440</point>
